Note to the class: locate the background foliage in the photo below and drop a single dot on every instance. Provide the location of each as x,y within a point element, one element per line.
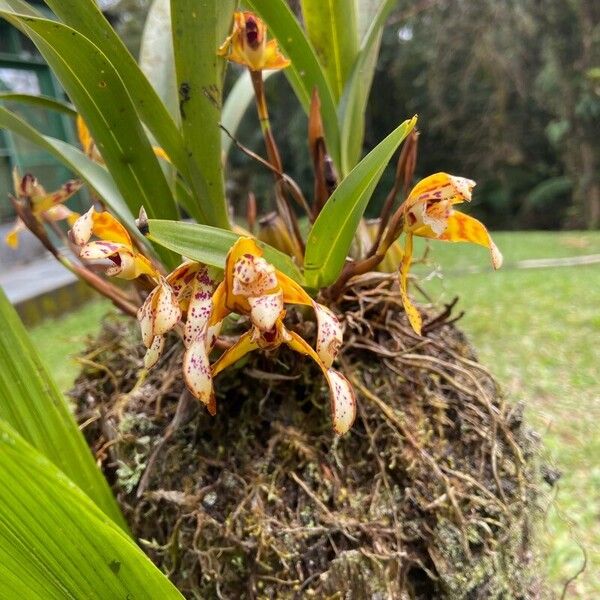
<point>507,93</point>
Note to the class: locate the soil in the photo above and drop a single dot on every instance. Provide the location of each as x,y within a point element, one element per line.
<point>432,494</point>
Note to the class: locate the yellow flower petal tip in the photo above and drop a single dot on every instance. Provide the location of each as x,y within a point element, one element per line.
<point>247,45</point>
<point>429,212</point>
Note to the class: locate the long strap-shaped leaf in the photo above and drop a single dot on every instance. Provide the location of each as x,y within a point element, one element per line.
<point>356,92</point>
<point>56,544</point>
<point>32,404</point>
<point>100,95</point>
<point>94,174</point>
<point>332,29</point>
<point>210,245</point>
<point>199,27</point>
<point>305,72</point>
<point>85,17</point>
<point>331,234</point>
<point>40,101</point>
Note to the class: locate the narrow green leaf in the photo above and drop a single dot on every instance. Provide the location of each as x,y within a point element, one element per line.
<point>199,28</point>
<point>54,541</point>
<point>94,174</point>
<point>332,29</point>
<point>210,245</point>
<point>305,72</point>
<point>157,61</point>
<point>353,104</point>
<point>85,17</point>
<point>236,104</point>
<point>32,404</point>
<point>20,7</point>
<point>40,101</point>
<point>331,234</point>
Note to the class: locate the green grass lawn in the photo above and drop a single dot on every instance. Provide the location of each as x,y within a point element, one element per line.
<point>538,330</point>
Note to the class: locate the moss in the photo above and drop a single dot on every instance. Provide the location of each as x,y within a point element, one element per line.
<point>263,501</point>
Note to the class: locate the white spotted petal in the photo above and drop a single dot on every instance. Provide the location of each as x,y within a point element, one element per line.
<point>265,310</point>
<point>253,276</point>
<point>343,401</point>
<point>329,334</point>
<point>197,373</point>
<point>200,307</point>
<point>100,249</point>
<point>165,309</point>
<point>81,231</point>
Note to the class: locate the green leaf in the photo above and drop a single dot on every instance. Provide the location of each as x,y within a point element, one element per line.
<point>32,404</point>
<point>85,17</point>
<point>54,541</point>
<point>353,104</point>
<point>94,174</point>
<point>199,28</point>
<point>239,98</point>
<point>332,29</point>
<point>157,61</point>
<point>331,234</point>
<point>40,101</point>
<point>102,99</point>
<point>306,72</point>
<point>210,245</point>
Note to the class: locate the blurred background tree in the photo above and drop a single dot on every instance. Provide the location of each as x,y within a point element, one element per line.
<point>507,91</point>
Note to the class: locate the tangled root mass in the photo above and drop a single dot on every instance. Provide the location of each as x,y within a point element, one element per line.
<point>431,495</point>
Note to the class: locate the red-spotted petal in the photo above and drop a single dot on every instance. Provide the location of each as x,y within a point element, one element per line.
<point>165,309</point>
<point>197,374</point>
<point>341,394</point>
<point>343,401</point>
<point>265,310</point>
<point>154,352</point>
<point>253,276</point>
<point>329,334</point>
<point>99,250</point>
<point>200,306</point>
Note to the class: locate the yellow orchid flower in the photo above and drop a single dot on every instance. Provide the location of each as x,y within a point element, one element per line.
<point>428,212</point>
<point>44,206</point>
<point>91,149</point>
<point>247,45</point>
<point>251,287</point>
<point>114,244</point>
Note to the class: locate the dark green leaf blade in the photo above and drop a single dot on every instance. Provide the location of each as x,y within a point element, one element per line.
<point>333,30</point>
<point>55,543</point>
<point>353,104</point>
<point>40,101</point>
<point>210,245</point>
<point>331,234</point>
<point>199,27</point>
<point>32,404</point>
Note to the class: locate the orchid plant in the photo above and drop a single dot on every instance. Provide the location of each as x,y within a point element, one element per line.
<point>226,269</point>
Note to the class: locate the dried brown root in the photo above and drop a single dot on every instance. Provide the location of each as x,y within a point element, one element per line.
<point>431,495</point>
